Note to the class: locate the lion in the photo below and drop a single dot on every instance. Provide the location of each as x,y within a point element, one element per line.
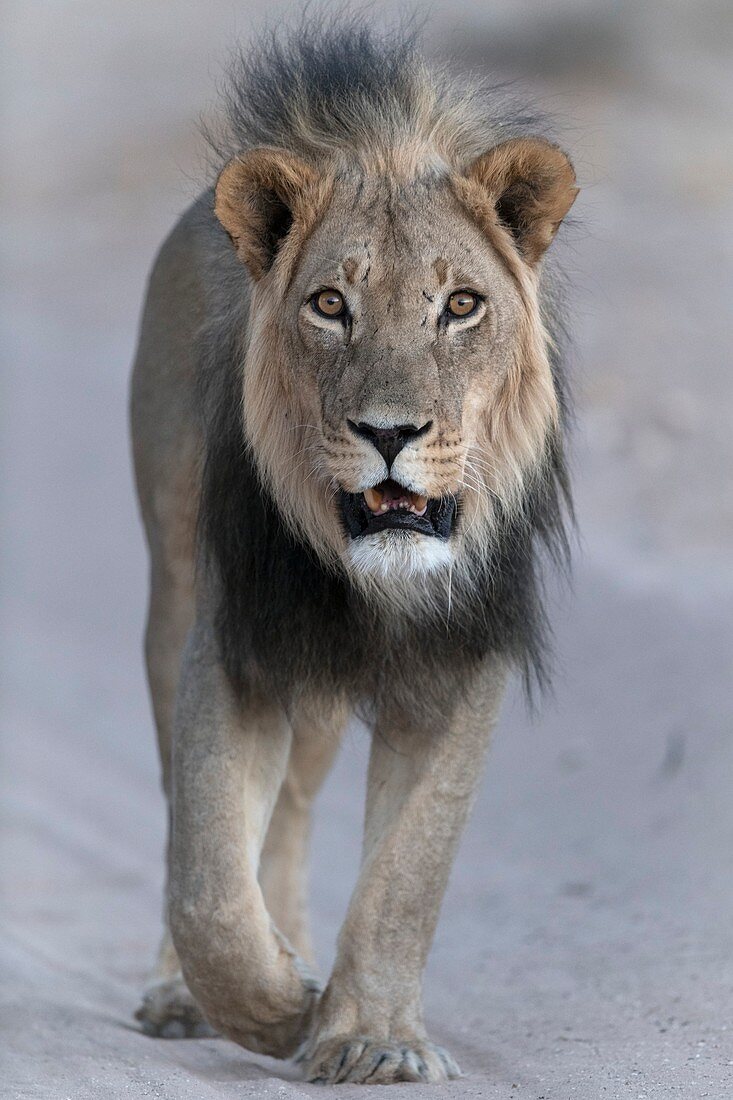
<point>348,412</point>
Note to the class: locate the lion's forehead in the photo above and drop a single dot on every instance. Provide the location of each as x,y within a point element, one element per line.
<point>377,237</point>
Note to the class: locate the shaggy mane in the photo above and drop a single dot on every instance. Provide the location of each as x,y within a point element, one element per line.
<point>343,94</point>
<point>332,89</point>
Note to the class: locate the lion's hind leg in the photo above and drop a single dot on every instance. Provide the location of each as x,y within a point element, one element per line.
<point>168,1010</point>
<point>317,731</point>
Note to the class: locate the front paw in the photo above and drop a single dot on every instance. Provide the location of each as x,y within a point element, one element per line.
<point>361,1060</point>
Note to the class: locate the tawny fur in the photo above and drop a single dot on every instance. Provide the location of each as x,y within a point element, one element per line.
<point>349,163</point>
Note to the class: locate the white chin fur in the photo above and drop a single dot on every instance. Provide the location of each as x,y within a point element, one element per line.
<point>398,555</point>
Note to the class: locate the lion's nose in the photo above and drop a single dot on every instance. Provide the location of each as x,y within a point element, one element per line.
<point>389,441</point>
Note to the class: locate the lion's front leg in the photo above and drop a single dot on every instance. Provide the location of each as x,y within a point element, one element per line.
<point>229,759</point>
<point>369,1024</point>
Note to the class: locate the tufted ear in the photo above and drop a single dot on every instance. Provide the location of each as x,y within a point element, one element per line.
<point>531,186</point>
<point>260,197</point>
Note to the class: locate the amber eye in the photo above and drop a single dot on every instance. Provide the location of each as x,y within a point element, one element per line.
<point>329,303</point>
<point>462,303</point>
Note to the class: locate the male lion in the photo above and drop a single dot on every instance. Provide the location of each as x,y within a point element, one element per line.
<point>349,386</point>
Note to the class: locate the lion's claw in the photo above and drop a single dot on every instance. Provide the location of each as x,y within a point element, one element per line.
<point>361,1060</point>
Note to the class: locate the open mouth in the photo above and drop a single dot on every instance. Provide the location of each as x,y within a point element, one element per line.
<point>390,507</point>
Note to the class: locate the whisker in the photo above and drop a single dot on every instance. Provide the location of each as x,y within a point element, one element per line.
<point>474,482</point>
<point>295,427</point>
<point>482,463</point>
<point>450,596</point>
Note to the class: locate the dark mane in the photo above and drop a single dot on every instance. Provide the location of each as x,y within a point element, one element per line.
<point>304,626</point>
<point>329,85</point>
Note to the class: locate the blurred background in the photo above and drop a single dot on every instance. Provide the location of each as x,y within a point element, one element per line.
<point>586,943</point>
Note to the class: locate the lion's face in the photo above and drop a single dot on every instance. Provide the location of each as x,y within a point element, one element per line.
<point>405,323</point>
<point>397,383</point>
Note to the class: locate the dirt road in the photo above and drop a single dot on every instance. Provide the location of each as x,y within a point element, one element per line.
<point>586,944</point>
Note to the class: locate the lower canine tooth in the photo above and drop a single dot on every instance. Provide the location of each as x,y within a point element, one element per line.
<point>419,504</point>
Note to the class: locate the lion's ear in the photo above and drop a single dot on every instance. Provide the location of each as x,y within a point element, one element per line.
<point>260,196</point>
<point>531,186</point>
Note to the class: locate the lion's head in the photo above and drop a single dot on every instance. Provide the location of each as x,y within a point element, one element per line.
<point>398,392</point>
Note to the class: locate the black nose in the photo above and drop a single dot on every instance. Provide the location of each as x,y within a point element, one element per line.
<point>389,441</point>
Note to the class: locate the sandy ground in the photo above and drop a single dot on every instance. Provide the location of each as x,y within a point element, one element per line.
<point>586,944</point>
